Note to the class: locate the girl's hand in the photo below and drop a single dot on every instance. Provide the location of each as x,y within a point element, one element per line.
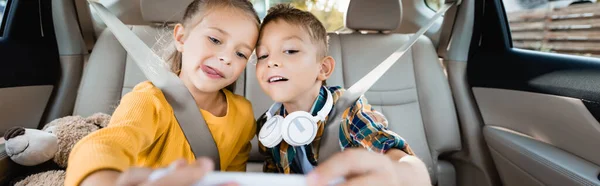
<point>182,174</point>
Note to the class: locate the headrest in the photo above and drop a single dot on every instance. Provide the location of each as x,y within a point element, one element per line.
<point>163,11</point>
<point>379,15</point>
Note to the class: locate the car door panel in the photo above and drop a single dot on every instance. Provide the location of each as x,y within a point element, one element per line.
<point>511,173</point>
<point>540,110</point>
<point>532,71</point>
<point>7,166</point>
<point>541,163</point>
<point>30,69</point>
<point>23,106</point>
<point>30,63</point>
<point>560,121</point>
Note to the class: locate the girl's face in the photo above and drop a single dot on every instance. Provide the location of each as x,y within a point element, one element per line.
<point>216,50</point>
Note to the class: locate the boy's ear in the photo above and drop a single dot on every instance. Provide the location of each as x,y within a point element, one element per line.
<point>179,35</point>
<point>327,66</point>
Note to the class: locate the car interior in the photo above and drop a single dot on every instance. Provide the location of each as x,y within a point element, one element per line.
<point>475,108</point>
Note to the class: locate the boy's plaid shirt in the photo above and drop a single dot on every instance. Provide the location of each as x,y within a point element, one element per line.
<point>362,126</point>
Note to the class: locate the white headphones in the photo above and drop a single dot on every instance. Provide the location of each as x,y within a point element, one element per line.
<point>297,128</point>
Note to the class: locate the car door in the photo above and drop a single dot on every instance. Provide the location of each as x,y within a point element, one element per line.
<point>30,68</point>
<point>535,76</point>
<point>30,64</point>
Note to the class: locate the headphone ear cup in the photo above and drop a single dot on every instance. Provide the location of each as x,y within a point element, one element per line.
<point>270,133</point>
<point>298,128</point>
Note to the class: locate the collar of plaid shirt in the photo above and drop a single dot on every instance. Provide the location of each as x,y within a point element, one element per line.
<point>285,154</point>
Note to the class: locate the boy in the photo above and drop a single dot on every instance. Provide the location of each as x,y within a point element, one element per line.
<point>292,67</point>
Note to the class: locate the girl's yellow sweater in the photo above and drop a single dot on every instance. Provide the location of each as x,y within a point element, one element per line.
<point>143,131</point>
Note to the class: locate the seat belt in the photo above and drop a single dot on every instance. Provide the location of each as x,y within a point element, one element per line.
<point>332,134</point>
<point>157,71</point>
<point>447,29</point>
<point>85,23</point>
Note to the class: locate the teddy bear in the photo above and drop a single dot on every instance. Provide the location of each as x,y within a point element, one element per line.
<point>51,145</point>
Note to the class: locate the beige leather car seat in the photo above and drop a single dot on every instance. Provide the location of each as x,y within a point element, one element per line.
<point>414,95</point>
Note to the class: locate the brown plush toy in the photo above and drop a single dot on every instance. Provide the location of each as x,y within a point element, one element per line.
<point>31,147</point>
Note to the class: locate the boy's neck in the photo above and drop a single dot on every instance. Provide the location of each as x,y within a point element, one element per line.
<point>304,102</point>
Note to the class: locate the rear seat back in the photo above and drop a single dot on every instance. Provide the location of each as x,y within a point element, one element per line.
<point>110,73</point>
<point>414,94</point>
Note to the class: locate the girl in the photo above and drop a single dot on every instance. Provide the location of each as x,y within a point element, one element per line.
<point>213,43</point>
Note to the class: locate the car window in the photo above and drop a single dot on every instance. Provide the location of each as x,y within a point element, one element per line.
<point>559,26</point>
<point>2,8</point>
<point>435,5</point>
<point>329,12</point>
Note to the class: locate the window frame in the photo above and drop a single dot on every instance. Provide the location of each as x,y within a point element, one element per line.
<point>511,42</point>
<point>5,15</point>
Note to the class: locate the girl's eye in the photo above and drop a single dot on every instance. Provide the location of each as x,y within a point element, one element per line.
<point>290,51</point>
<point>239,54</point>
<point>214,40</point>
<point>263,57</point>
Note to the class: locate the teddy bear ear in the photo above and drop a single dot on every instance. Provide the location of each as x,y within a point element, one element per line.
<point>14,132</point>
<point>99,119</point>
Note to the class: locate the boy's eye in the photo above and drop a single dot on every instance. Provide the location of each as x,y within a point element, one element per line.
<point>263,57</point>
<point>290,51</point>
<point>214,40</point>
<point>239,54</point>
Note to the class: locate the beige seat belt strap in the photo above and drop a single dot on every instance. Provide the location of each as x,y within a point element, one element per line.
<point>331,143</point>
<point>85,23</point>
<point>157,71</point>
<point>447,29</point>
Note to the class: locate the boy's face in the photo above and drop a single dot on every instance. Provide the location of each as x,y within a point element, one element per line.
<point>288,68</point>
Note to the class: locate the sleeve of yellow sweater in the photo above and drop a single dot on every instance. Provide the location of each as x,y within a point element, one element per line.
<point>134,126</point>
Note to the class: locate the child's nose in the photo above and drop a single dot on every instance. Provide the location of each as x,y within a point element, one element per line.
<point>273,63</point>
<point>225,60</point>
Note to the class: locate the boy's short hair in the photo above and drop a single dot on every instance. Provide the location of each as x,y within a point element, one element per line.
<point>304,19</point>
